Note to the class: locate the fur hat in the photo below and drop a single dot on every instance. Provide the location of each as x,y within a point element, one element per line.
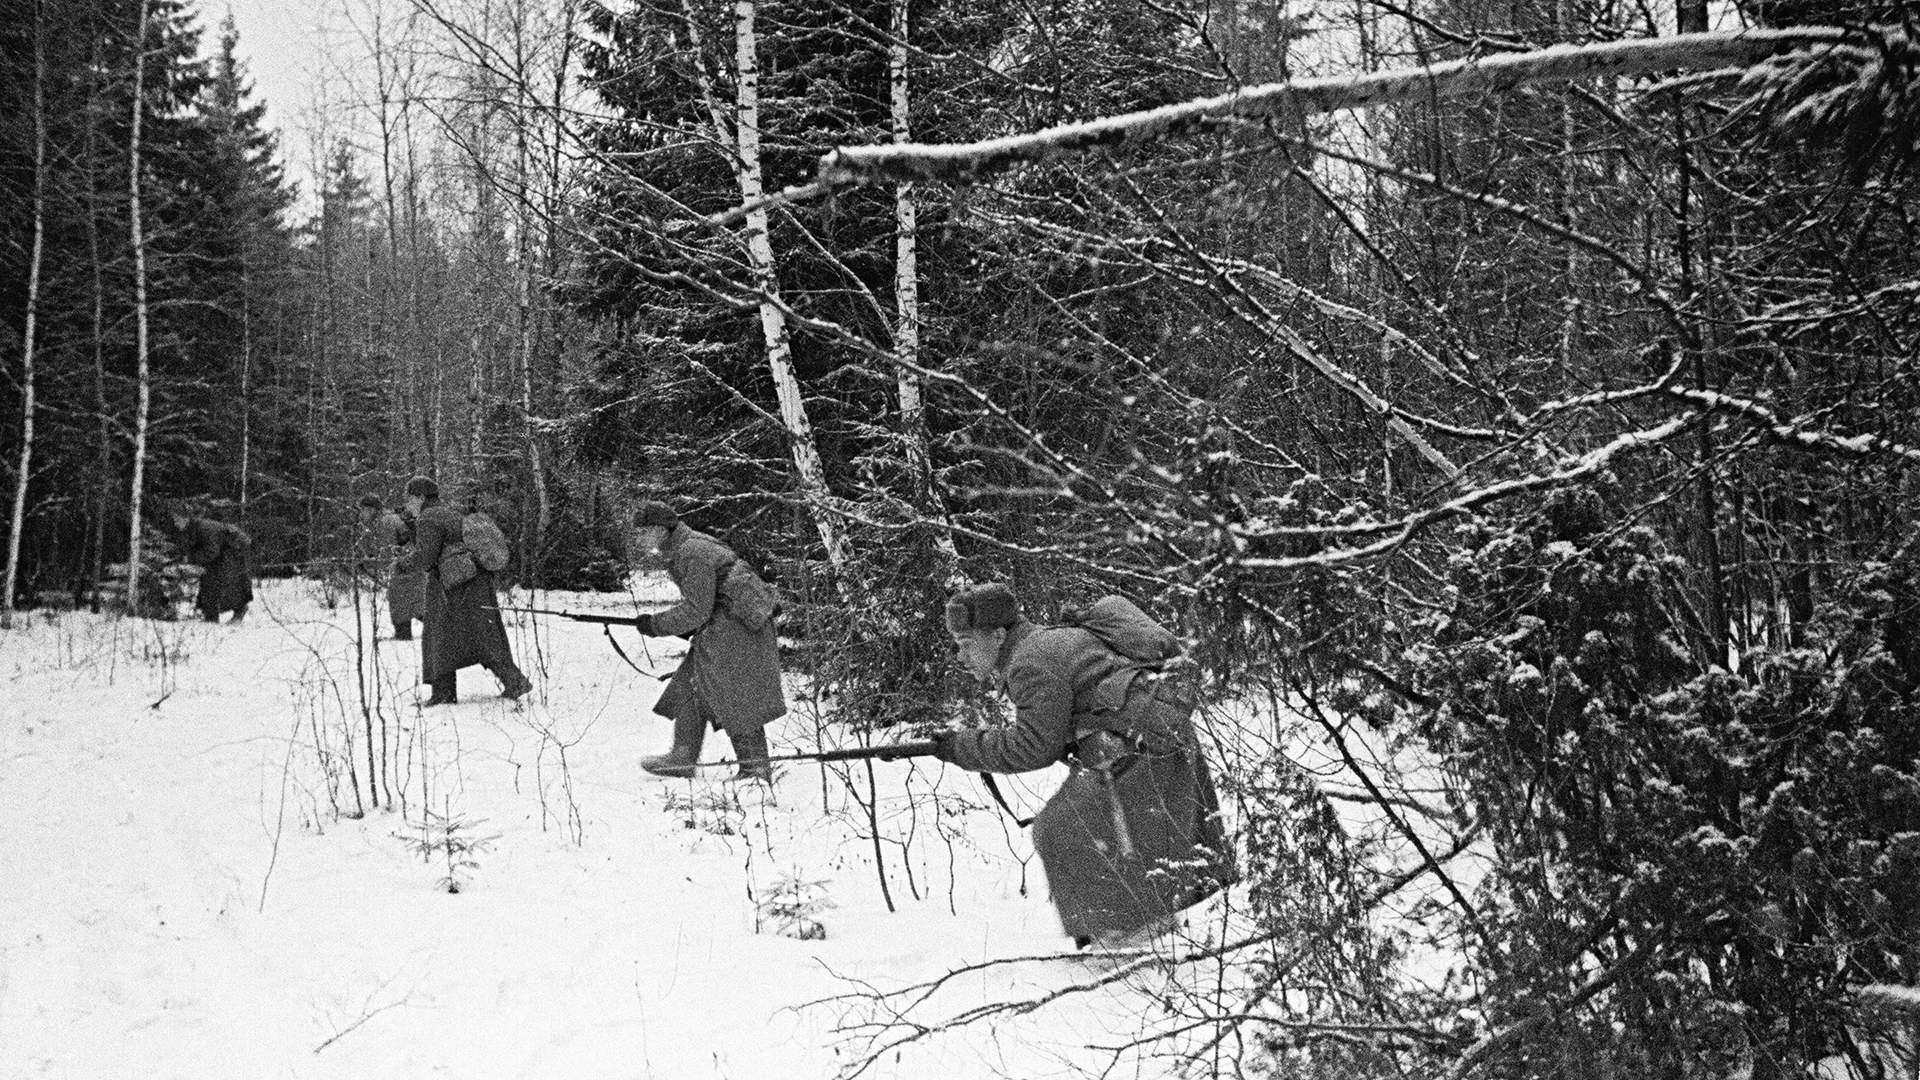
<point>424,487</point>
<point>655,513</point>
<point>983,607</point>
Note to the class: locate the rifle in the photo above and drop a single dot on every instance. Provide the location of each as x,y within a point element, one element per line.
<point>604,620</point>
<point>883,752</point>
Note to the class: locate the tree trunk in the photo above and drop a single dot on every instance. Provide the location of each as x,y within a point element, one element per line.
<point>525,319</point>
<point>103,465</point>
<point>906,292</point>
<point>18,519</point>
<point>809,473</point>
<point>139,240</point>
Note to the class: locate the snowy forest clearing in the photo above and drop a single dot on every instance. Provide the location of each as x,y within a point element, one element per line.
<point>181,901</point>
<point>1512,410</point>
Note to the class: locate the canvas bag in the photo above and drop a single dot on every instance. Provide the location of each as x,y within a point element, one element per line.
<point>1123,627</point>
<point>457,566</point>
<point>750,600</point>
<point>485,541</point>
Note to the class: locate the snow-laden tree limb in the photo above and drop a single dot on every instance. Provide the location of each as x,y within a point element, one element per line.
<point>964,162</point>
<point>1405,528</point>
<point>1790,431</point>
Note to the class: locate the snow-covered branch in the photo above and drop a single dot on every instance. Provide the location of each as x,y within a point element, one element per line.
<point>963,162</point>
<point>1791,432</point>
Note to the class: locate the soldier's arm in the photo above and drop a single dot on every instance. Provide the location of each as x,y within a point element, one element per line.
<point>1042,727</point>
<point>428,538</point>
<point>693,571</point>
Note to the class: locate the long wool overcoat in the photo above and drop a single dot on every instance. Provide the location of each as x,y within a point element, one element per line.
<point>460,626</point>
<point>406,589</point>
<point>731,676</point>
<point>223,552</point>
<point>1066,684</point>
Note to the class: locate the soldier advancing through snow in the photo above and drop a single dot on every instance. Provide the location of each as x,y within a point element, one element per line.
<point>461,622</point>
<point>730,679</point>
<point>385,535</point>
<point>1134,833</point>
<point>223,553</point>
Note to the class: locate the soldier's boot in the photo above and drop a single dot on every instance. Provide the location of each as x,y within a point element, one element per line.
<point>689,731</point>
<point>514,683</point>
<point>403,631</point>
<point>210,616</point>
<point>239,613</point>
<point>445,692</point>
<point>750,750</point>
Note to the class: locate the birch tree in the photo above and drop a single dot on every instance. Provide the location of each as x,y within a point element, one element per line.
<point>138,240</point>
<point>18,518</point>
<point>809,475</point>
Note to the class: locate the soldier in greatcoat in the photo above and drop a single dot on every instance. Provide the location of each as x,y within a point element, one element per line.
<point>1133,835</point>
<point>223,552</point>
<point>730,678</point>
<point>385,535</point>
<point>460,625</point>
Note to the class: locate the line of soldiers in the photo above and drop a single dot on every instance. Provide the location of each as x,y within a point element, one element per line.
<point>1132,837</point>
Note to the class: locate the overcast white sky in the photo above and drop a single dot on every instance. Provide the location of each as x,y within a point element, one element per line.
<point>281,41</point>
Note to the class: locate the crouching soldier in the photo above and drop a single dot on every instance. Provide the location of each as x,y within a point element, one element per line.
<point>224,554</point>
<point>384,536</point>
<point>1134,833</point>
<point>730,679</point>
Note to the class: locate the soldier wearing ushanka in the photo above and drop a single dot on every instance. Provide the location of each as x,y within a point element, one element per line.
<point>384,536</point>
<point>730,679</point>
<point>1133,834</point>
<point>460,625</point>
<point>224,554</point>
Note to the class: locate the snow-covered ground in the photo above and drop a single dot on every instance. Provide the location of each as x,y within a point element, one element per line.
<point>185,892</point>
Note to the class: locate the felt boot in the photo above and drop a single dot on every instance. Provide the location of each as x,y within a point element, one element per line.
<point>750,750</point>
<point>445,692</point>
<point>689,731</point>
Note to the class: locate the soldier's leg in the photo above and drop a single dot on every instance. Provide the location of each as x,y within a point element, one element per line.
<point>514,683</point>
<point>445,691</point>
<point>750,750</point>
<point>689,732</point>
<point>239,613</point>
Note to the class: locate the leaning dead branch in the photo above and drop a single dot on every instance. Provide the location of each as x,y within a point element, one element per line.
<point>955,163</point>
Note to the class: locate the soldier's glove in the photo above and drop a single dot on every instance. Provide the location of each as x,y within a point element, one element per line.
<point>943,745</point>
<point>644,623</point>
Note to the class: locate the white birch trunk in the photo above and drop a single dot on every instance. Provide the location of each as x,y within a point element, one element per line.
<point>139,239</point>
<point>808,470</point>
<point>18,519</point>
<point>906,292</point>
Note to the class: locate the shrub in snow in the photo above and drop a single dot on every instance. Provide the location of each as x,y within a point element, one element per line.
<point>1729,848</point>
<point>449,838</point>
<point>793,908</point>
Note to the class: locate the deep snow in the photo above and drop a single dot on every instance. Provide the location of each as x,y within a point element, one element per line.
<point>179,898</point>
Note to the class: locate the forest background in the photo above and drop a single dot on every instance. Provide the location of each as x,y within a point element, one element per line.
<point>1562,426</point>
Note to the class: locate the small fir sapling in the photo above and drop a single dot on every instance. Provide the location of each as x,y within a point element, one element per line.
<point>793,907</point>
<point>451,837</point>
